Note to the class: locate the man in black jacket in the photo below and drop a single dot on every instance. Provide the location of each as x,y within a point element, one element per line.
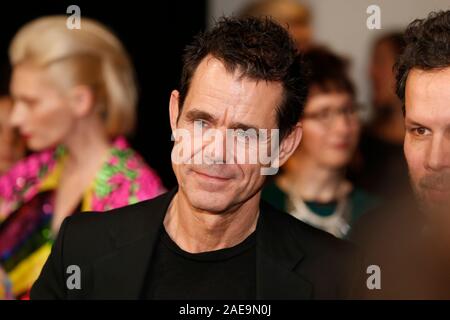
<point>212,237</point>
<point>408,237</point>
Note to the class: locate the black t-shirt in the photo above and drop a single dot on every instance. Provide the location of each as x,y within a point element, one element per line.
<point>222,274</point>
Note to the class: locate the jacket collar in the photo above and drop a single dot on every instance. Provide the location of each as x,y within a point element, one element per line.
<point>122,273</point>
<point>278,255</point>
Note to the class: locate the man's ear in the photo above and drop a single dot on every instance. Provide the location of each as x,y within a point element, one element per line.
<point>290,143</point>
<point>174,108</point>
<point>81,100</point>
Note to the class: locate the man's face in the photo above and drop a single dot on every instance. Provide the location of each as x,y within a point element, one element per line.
<point>427,140</point>
<point>221,100</point>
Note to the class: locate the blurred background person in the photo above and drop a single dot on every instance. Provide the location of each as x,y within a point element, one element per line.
<point>408,237</point>
<point>74,99</point>
<point>312,185</point>
<point>296,17</point>
<point>12,147</point>
<point>381,166</point>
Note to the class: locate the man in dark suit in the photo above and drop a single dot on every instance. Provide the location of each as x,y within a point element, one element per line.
<point>408,237</point>
<point>212,237</point>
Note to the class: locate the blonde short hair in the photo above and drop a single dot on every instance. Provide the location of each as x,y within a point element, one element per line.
<point>91,56</point>
<point>283,11</point>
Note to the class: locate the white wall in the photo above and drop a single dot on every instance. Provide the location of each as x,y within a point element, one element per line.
<point>341,25</point>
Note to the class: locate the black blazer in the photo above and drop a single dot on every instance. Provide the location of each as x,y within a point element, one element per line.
<point>114,252</point>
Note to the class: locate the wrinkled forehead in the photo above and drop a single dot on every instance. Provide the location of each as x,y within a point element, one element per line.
<point>427,97</point>
<point>216,90</point>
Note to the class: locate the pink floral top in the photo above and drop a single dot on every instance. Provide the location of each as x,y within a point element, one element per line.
<point>25,237</point>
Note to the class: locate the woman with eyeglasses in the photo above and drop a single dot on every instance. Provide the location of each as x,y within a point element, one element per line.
<point>312,185</point>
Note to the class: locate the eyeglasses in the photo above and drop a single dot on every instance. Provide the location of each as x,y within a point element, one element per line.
<point>327,115</point>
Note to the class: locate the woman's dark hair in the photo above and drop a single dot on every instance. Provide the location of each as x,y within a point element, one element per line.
<point>327,71</point>
<point>259,49</point>
<point>427,47</point>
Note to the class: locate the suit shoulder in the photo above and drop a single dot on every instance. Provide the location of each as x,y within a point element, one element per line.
<point>310,239</point>
<point>118,215</point>
<point>132,220</point>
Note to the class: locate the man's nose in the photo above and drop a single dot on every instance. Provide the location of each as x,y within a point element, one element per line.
<point>215,150</point>
<point>438,157</point>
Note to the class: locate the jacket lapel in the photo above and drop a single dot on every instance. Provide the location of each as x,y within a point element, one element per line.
<point>122,273</point>
<point>278,255</point>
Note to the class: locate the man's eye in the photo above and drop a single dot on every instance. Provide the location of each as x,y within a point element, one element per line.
<point>421,131</point>
<point>200,123</point>
<point>251,134</point>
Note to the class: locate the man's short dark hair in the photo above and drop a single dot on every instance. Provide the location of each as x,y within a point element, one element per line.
<point>427,47</point>
<point>258,48</point>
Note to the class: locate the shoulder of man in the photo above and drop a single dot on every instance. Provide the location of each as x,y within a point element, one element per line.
<point>94,230</point>
<point>311,240</point>
<point>86,238</point>
<point>334,266</point>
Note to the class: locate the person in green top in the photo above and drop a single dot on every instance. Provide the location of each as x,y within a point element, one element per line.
<point>312,185</point>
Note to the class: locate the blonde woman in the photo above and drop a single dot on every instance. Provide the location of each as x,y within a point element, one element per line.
<point>74,97</point>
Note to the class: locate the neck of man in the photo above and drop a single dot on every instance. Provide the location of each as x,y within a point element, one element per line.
<point>195,230</point>
<point>310,181</point>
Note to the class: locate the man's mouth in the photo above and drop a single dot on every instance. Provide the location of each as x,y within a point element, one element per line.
<point>437,194</point>
<point>211,176</point>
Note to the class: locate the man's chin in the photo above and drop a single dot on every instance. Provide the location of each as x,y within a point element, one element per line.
<point>204,200</point>
<point>434,202</point>
<point>216,208</point>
